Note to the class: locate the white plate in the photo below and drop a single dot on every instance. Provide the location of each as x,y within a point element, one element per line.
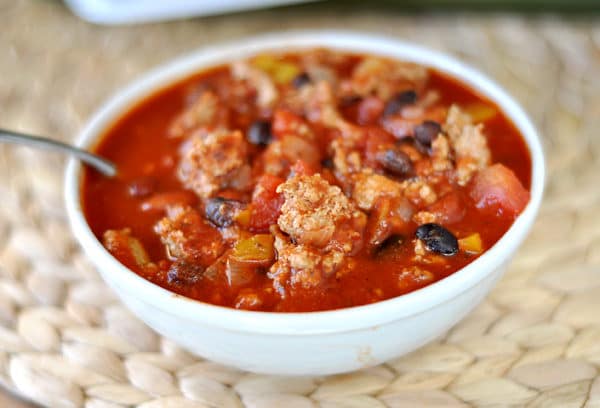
<point>141,11</point>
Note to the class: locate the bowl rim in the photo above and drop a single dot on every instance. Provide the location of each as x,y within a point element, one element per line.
<point>302,323</point>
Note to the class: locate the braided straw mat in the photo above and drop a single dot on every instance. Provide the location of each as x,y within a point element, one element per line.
<point>66,341</point>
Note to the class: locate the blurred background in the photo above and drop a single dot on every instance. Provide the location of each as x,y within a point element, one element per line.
<point>115,12</point>
<point>60,61</point>
<point>50,54</point>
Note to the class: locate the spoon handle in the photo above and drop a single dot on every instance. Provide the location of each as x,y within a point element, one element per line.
<point>102,165</point>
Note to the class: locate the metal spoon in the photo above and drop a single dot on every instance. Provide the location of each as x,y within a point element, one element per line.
<point>99,163</point>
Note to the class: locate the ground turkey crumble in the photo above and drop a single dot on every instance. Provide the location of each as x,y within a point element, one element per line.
<point>215,161</point>
<point>322,226</point>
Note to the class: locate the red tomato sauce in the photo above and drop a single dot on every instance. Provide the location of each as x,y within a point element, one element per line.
<point>228,258</point>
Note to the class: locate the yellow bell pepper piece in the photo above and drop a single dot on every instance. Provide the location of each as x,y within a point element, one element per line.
<point>282,72</point>
<point>265,62</point>
<point>480,112</point>
<point>285,72</point>
<point>243,217</point>
<point>257,249</point>
<point>471,244</point>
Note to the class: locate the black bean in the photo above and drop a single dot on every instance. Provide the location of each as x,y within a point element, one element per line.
<point>182,273</point>
<point>300,80</point>
<point>399,101</point>
<point>259,133</point>
<point>222,211</point>
<point>395,161</point>
<point>426,132</point>
<point>348,101</point>
<point>327,163</point>
<point>437,239</point>
<point>388,246</point>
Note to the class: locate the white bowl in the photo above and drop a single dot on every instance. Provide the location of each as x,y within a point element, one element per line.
<point>318,342</point>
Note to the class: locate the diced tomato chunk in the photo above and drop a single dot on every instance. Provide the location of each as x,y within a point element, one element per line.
<point>497,189</point>
<point>369,110</point>
<point>266,203</point>
<point>302,168</point>
<point>285,123</point>
<point>449,209</point>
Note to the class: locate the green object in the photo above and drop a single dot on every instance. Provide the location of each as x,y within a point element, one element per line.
<point>463,5</point>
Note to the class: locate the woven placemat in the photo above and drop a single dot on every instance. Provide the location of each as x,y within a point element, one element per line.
<point>66,341</point>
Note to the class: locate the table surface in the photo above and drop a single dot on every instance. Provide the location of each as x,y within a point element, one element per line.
<point>10,401</point>
<point>65,339</point>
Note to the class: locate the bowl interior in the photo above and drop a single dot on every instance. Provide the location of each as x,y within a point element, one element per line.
<point>318,322</point>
